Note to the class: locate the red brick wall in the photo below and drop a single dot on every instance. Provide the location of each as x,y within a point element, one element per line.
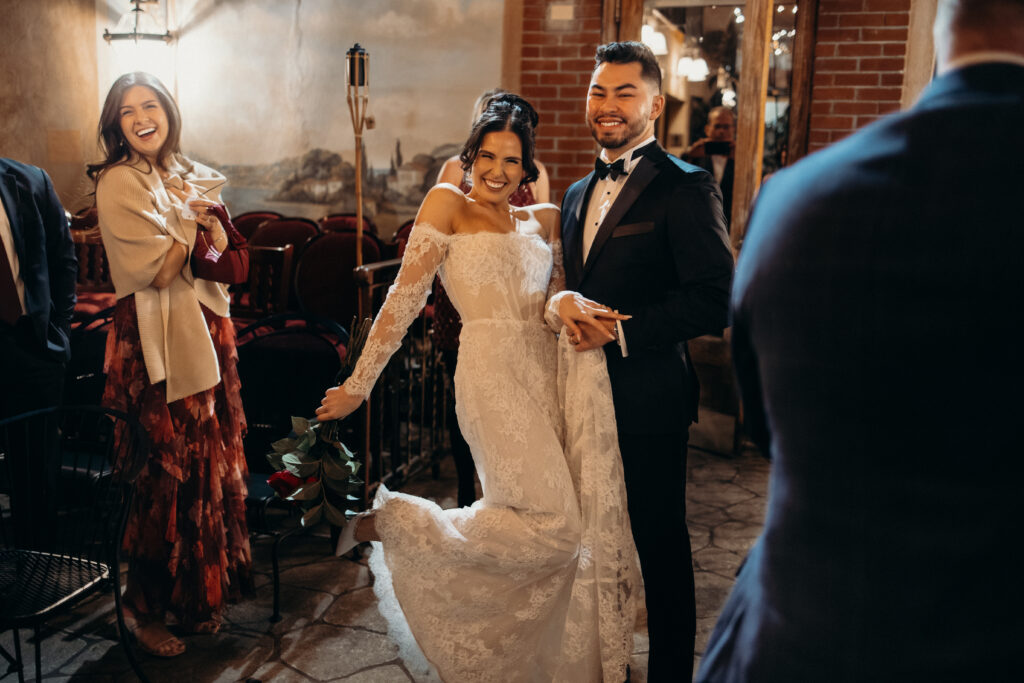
<point>858,65</point>
<point>557,60</point>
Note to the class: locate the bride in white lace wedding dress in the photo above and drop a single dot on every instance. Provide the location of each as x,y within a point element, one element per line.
<point>537,580</point>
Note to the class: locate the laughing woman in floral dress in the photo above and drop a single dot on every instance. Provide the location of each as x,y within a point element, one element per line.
<point>171,362</point>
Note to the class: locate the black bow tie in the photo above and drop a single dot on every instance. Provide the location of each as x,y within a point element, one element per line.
<point>614,169</point>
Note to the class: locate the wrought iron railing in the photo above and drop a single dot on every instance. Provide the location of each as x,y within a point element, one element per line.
<point>402,428</point>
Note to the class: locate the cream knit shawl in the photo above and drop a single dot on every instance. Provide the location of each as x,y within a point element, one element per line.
<point>139,221</point>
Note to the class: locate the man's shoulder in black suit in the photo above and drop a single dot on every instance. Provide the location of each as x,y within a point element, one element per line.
<point>680,165</point>
<point>676,169</point>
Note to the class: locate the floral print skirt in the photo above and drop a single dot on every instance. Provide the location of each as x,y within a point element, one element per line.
<point>186,535</point>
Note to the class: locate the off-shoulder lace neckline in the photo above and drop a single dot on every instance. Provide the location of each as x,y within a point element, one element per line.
<point>430,227</point>
<point>451,235</point>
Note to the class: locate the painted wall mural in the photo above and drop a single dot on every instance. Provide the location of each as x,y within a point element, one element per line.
<point>261,86</point>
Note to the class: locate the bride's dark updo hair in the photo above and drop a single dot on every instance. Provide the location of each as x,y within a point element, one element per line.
<point>506,111</point>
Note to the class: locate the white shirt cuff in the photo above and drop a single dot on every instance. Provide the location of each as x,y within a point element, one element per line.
<point>622,338</point>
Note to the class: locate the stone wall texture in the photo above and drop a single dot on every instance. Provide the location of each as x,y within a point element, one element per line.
<point>49,105</point>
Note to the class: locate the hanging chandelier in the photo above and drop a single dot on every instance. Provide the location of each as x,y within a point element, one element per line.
<point>139,24</point>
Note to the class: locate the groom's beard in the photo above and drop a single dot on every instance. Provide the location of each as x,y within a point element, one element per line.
<point>610,140</point>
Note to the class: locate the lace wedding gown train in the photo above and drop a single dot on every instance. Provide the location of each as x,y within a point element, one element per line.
<point>537,580</point>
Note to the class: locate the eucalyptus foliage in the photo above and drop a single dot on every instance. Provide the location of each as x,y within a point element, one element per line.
<point>313,449</point>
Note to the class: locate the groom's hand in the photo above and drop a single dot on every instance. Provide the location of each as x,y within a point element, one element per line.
<point>593,338</point>
<point>337,404</point>
<point>589,323</point>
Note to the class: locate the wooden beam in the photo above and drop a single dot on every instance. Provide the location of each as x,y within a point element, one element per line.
<point>512,46</point>
<point>631,19</point>
<point>920,63</point>
<point>610,12</point>
<point>621,20</point>
<point>752,95</point>
<point>802,78</point>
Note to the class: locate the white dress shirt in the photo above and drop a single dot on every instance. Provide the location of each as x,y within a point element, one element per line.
<point>605,193</point>
<point>718,163</point>
<point>7,238</point>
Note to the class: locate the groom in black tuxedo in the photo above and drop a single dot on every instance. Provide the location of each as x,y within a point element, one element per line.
<point>644,234</point>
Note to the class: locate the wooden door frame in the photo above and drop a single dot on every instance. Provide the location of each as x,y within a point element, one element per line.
<point>802,80</point>
<point>622,20</point>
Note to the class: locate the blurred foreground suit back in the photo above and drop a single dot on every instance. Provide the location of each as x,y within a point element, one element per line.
<point>877,337</point>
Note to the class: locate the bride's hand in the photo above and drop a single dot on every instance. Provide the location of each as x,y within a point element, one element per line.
<point>577,311</point>
<point>337,404</point>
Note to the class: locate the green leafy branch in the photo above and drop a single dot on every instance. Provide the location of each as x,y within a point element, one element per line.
<point>315,455</point>
<point>327,467</point>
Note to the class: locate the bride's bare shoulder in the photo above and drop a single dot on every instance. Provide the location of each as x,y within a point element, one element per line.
<point>447,189</point>
<point>442,204</point>
<point>546,217</point>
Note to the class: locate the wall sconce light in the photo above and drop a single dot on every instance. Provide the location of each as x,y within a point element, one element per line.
<point>694,70</point>
<point>654,39</point>
<point>137,24</point>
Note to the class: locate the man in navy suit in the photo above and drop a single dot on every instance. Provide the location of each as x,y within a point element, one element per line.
<point>644,234</point>
<point>37,289</point>
<point>877,312</point>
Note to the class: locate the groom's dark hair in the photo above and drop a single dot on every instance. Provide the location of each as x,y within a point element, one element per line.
<point>627,52</point>
<point>506,111</point>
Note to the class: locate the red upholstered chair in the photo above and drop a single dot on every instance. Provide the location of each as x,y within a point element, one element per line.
<point>280,232</point>
<point>270,283</point>
<point>324,281</point>
<point>93,285</point>
<point>93,269</point>
<point>285,363</point>
<point>247,223</point>
<point>86,219</point>
<point>346,222</point>
<point>402,237</point>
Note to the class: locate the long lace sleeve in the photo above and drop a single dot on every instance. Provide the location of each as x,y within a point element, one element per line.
<point>556,288</point>
<point>406,297</point>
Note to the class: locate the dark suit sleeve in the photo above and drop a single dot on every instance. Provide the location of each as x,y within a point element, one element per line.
<point>748,379</point>
<point>60,255</point>
<point>699,303</point>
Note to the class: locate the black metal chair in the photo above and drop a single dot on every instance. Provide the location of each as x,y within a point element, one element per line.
<point>285,363</point>
<point>67,476</point>
<point>84,378</point>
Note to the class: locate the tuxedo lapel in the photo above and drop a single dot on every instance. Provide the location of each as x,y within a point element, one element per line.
<point>572,233</point>
<point>637,181</point>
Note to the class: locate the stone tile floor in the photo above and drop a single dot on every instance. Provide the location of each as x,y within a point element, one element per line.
<point>331,630</point>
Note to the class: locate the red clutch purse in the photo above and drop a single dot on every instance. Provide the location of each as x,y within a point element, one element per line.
<point>230,266</point>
